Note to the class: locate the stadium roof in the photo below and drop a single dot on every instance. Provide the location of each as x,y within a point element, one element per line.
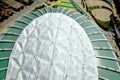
<point>107,63</point>
<point>52,47</point>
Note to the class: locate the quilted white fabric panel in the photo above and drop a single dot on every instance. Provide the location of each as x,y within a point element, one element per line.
<point>53,47</point>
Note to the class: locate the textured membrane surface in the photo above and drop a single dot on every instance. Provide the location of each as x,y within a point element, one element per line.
<point>52,47</point>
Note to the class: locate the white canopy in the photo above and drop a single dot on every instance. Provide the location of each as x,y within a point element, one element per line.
<point>53,47</point>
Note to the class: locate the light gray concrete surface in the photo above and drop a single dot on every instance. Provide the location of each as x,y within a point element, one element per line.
<point>6,24</point>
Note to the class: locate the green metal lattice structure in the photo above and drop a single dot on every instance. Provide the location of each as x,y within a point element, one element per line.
<point>108,65</point>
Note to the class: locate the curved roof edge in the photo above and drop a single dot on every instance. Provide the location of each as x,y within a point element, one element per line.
<point>107,61</point>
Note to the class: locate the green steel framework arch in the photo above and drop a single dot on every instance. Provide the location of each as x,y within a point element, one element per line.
<point>108,66</point>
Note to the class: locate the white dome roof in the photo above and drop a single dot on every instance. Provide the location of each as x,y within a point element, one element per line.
<point>53,47</point>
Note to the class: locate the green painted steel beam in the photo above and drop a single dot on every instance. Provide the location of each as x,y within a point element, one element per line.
<point>79,8</point>
<point>65,6</point>
<point>65,2</point>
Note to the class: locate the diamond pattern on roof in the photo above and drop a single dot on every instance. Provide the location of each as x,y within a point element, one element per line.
<point>52,47</point>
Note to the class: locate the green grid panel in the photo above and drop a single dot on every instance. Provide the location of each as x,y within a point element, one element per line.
<point>9,37</point>
<point>70,13</point>
<point>74,15</point>
<point>95,36</point>
<point>20,24</point>
<point>100,44</point>
<point>32,15</point>
<point>60,10</point>
<point>42,10</point>
<point>54,10</point>
<point>112,64</point>
<point>25,19</point>
<point>3,74</point>
<point>90,29</point>
<point>47,10</point>
<point>81,20</point>
<point>65,11</point>
<point>87,23</point>
<point>4,54</point>
<point>6,45</point>
<point>38,13</point>
<point>3,63</point>
<point>109,75</point>
<point>107,53</point>
<point>15,30</point>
